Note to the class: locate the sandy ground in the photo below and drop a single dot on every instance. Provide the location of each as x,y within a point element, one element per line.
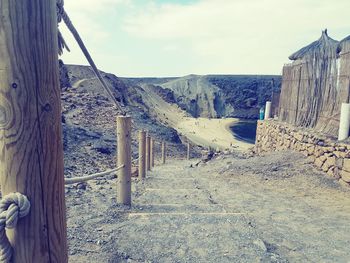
<point>201,131</point>
<point>211,132</point>
<point>273,208</point>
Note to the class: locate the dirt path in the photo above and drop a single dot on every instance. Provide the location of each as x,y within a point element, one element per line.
<point>274,208</point>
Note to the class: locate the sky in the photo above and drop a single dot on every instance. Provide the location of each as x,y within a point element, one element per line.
<point>165,38</point>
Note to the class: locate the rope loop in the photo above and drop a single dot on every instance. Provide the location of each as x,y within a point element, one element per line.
<point>12,207</point>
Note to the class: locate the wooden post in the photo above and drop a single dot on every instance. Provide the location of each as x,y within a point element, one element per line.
<point>124,158</point>
<point>31,152</point>
<point>152,152</point>
<point>188,150</point>
<point>344,122</point>
<point>142,154</point>
<point>163,152</point>
<point>268,110</point>
<point>148,148</point>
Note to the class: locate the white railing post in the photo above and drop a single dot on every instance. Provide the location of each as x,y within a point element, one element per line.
<point>268,110</point>
<point>344,122</point>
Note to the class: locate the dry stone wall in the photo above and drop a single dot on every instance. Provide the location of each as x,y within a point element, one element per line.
<point>326,153</point>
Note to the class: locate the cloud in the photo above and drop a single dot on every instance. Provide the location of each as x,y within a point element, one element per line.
<point>209,18</point>
<point>178,37</point>
<point>93,6</point>
<point>255,33</point>
<point>90,18</point>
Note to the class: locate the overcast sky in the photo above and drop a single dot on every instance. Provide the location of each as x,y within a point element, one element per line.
<point>181,37</point>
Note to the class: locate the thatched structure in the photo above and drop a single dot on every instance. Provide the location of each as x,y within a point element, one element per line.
<point>314,86</point>
<point>344,72</point>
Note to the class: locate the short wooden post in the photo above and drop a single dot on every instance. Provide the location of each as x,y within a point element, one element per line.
<point>163,152</point>
<point>188,150</point>
<point>152,152</point>
<point>124,158</point>
<point>344,123</point>
<point>148,152</point>
<point>268,110</point>
<point>31,152</point>
<point>142,154</point>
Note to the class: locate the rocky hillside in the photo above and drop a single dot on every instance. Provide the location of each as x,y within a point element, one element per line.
<point>216,96</point>
<point>209,96</point>
<point>89,118</point>
<point>155,104</point>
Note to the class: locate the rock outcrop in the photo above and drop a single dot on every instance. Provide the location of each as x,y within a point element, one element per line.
<point>216,96</point>
<point>64,78</point>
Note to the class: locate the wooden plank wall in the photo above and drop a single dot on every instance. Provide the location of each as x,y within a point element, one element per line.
<point>312,101</point>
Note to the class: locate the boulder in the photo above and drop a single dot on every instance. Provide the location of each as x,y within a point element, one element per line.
<point>345,176</point>
<point>346,165</point>
<point>318,162</point>
<point>344,184</point>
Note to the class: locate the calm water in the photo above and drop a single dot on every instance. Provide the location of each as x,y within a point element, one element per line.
<point>245,130</point>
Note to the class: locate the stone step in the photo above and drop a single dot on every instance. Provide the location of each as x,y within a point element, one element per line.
<point>173,196</point>
<point>177,208</point>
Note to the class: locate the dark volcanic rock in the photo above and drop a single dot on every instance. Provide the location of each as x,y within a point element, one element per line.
<point>165,94</point>
<point>64,78</point>
<point>216,96</point>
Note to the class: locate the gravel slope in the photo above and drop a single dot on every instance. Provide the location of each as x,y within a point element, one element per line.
<point>272,208</point>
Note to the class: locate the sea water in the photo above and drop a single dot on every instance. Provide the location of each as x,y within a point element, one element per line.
<point>244,130</point>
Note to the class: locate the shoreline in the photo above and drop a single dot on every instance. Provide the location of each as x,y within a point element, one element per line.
<point>215,133</point>
<point>239,137</point>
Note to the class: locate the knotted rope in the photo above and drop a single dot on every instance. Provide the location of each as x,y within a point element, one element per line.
<point>12,207</point>
<point>62,15</point>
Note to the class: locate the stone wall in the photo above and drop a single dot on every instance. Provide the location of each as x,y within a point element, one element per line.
<point>325,152</point>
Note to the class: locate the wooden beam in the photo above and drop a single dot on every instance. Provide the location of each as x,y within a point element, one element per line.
<point>31,152</point>
<point>124,158</point>
<point>188,150</point>
<point>142,154</point>
<point>148,152</point>
<point>152,149</point>
<point>163,152</point>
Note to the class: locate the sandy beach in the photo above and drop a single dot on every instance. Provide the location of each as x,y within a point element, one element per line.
<point>205,132</point>
<point>215,133</point>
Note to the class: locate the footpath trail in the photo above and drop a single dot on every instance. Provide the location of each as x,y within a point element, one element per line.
<point>274,208</point>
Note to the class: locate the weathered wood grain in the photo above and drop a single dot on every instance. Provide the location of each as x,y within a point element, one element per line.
<point>31,152</point>
<point>152,149</point>
<point>124,158</point>
<point>163,152</point>
<point>142,154</point>
<point>148,152</point>
<point>188,150</point>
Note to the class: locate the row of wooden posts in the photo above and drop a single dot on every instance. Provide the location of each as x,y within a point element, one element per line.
<point>146,160</point>
<point>31,148</point>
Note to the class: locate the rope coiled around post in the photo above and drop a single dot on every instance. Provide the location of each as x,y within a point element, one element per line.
<point>12,207</point>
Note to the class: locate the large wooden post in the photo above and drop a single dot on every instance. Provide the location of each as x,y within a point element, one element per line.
<point>163,152</point>
<point>142,154</point>
<point>188,150</point>
<point>124,158</point>
<point>152,152</point>
<point>31,152</point>
<point>148,152</point>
